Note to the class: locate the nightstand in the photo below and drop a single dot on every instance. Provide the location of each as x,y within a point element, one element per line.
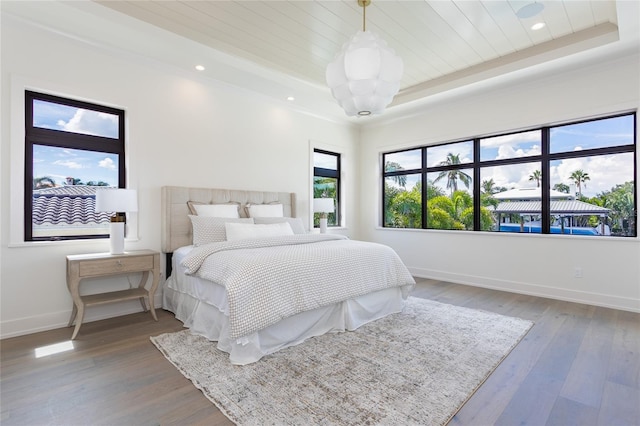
<point>105,264</point>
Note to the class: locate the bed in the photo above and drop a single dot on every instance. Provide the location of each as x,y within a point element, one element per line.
<point>257,282</point>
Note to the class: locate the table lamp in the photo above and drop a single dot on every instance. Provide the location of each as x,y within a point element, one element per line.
<point>323,206</point>
<point>119,201</point>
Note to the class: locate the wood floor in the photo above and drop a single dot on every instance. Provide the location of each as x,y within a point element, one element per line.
<point>578,365</point>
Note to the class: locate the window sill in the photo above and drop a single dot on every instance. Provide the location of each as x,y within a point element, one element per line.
<point>512,234</point>
<point>93,241</point>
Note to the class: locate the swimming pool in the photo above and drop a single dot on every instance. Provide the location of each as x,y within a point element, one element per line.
<point>537,229</point>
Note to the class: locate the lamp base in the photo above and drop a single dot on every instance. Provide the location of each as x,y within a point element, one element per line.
<point>323,225</point>
<point>116,237</point>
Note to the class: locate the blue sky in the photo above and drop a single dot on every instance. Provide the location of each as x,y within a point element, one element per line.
<point>60,163</point>
<point>604,171</point>
<point>72,119</point>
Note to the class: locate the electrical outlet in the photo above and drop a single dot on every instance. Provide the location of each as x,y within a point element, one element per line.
<point>577,272</point>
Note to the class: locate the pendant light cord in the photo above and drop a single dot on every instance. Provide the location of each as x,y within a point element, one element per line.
<point>364,17</point>
<point>364,4</point>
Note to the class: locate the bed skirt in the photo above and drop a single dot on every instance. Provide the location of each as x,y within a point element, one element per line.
<point>210,321</point>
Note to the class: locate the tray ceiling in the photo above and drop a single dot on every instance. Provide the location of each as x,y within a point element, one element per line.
<point>436,39</point>
<point>280,48</point>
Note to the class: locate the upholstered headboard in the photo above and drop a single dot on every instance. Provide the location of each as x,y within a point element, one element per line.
<point>176,226</point>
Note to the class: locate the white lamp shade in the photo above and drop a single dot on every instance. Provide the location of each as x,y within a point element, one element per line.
<point>365,76</point>
<point>116,200</point>
<point>323,205</point>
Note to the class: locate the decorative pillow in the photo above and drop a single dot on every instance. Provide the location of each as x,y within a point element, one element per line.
<point>245,231</point>
<point>265,210</point>
<point>208,229</point>
<point>296,223</point>
<point>214,210</point>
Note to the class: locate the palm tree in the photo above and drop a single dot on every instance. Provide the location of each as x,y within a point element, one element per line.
<point>453,175</point>
<point>392,166</point>
<point>561,187</point>
<point>489,186</point>
<point>580,177</point>
<point>537,176</point>
<point>432,190</point>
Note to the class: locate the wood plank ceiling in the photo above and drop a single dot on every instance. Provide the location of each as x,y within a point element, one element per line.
<point>437,40</point>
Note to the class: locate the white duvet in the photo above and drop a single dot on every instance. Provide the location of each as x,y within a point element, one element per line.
<point>269,279</point>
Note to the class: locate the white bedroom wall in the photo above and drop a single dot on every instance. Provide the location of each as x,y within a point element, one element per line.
<point>182,130</point>
<point>540,265</point>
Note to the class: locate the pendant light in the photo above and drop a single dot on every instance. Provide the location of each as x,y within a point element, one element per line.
<point>365,76</point>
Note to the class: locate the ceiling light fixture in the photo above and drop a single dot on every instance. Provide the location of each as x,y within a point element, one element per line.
<point>291,98</point>
<point>538,26</point>
<point>365,76</point>
<point>199,67</point>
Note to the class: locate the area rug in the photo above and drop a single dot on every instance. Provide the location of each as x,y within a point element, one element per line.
<point>417,367</point>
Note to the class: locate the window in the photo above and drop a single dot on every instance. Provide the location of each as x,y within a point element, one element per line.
<point>576,178</point>
<point>71,148</point>
<point>403,189</point>
<point>326,183</point>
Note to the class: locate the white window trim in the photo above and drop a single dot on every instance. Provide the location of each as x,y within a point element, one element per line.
<point>343,196</point>
<point>16,167</point>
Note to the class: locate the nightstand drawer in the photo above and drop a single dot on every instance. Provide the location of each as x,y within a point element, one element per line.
<point>92,268</point>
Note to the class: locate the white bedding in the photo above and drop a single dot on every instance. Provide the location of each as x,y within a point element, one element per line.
<point>204,306</point>
<point>268,279</point>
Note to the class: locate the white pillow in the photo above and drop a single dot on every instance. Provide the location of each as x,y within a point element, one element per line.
<point>296,223</point>
<point>217,210</point>
<point>265,210</point>
<point>207,229</point>
<point>245,231</point>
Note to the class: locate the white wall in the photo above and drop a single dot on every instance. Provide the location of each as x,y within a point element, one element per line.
<point>181,130</point>
<point>540,265</point>
<point>187,130</point>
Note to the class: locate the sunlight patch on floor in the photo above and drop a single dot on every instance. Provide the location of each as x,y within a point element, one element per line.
<point>54,349</point>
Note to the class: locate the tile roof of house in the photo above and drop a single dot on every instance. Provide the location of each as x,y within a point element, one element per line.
<point>528,194</point>
<point>567,207</point>
<point>68,204</point>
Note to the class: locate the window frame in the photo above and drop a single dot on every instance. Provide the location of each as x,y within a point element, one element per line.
<point>61,139</point>
<point>330,173</point>
<point>545,159</point>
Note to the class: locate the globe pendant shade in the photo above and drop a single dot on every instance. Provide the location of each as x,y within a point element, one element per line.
<point>365,76</point>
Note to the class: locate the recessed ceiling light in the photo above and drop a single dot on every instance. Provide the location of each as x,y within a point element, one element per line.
<point>291,98</point>
<point>199,67</point>
<point>529,10</point>
<point>537,26</point>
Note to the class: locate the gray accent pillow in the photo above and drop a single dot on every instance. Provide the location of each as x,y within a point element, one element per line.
<point>208,229</point>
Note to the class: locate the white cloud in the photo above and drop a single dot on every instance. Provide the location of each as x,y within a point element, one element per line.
<point>92,123</point>
<point>513,176</point>
<point>605,172</point>
<point>512,139</point>
<point>508,151</point>
<point>438,154</point>
<point>107,163</point>
<point>69,164</point>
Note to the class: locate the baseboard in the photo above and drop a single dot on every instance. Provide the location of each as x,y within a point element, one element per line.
<point>588,298</point>
<point>60,319</point>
